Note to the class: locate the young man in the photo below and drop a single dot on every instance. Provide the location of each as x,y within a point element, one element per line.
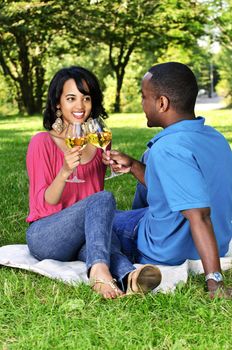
<point>188,177</point>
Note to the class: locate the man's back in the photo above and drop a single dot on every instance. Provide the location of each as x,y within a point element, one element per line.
<point>189,166</point>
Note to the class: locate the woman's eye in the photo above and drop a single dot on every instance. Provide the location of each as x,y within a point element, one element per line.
<point>70,98</point>
<point>87,99</point>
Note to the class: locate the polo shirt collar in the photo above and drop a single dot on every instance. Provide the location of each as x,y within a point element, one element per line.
<point>183,125</point>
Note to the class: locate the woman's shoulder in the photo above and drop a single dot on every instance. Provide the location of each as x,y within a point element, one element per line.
<point>42,135</point>
<point>40,140</point>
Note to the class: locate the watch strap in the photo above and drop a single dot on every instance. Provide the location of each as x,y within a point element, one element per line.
<point>216,276</point>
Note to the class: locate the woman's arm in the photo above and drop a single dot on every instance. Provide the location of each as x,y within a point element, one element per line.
<point>54,191</point>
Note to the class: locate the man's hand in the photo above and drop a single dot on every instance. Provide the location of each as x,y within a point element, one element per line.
<point>205,242</point>
<point>119,162</point>
<point>218,290</point>
<point>123,163</point>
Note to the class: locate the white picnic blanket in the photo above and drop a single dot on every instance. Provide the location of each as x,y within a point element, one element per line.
<point>73,272</point>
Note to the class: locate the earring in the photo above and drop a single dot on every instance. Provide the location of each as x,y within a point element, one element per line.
<point>58,125</point>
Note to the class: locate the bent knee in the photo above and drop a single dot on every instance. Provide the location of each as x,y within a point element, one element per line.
<point>105,197</point>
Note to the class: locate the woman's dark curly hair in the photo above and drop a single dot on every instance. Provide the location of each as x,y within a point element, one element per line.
<point>81,76</point>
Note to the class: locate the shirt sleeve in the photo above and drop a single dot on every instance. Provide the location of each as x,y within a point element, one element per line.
<point>181,178</point>
<point>41,174</point>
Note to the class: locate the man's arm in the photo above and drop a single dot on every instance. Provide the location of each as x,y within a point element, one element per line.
<point>205,242</point>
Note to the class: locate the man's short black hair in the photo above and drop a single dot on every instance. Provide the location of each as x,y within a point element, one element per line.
<point>177,82</point>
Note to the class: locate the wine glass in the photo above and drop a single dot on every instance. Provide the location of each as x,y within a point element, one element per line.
<point>100,136</point>
<point>75,136</point>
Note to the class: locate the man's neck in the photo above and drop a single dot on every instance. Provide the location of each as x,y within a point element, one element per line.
<point>177,117</point>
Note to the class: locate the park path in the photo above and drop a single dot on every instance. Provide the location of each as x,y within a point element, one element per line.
<point>206,104</point>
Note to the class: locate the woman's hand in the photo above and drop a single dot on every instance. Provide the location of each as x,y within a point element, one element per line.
<point>72,159</point>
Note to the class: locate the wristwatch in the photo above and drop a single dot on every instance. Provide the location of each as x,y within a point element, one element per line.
<point>216,276</point>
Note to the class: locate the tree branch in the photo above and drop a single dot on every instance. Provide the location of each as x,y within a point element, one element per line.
<point>6,68</point>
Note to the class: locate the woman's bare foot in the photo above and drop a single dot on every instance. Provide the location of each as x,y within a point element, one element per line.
<point>102,281</point>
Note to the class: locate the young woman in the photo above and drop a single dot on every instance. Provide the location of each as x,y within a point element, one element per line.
<point>73,221</point>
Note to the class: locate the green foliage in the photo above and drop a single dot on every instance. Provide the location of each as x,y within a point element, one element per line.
<point>197,58</point>
<point>7,100</point>
<point>137,26</point>
<point>224,23</point>
<point>33,33</point>
<point>39,37</point>
<point>224,87</point>
<point>130,93</point>
<point>26,32</point>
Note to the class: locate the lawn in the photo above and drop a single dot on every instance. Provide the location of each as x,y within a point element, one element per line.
<point>37,313</point>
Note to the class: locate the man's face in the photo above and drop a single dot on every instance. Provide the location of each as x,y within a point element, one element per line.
<point>149,102</point>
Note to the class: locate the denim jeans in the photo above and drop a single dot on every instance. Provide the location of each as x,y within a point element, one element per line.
<point>140,196</point>
<point>125,226</point>
<point>82,231</point>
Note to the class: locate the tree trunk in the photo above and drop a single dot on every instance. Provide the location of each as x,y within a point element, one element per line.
<point>119,69</point>
<point>39,84</point>
<point>30,80</point>
<point>117,103</point>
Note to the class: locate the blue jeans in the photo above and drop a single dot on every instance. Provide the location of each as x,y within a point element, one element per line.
<point>140,196</point>
<point>125,226</point>
<point>83,232</point>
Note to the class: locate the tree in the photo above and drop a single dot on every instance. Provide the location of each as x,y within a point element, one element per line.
<point>34,30</point>
<point>136,25</point>
<point>223,19</point>
<point>25,38</point>
<point>196,57</point>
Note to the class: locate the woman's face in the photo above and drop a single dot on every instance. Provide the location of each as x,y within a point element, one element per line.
<point>74,106</point>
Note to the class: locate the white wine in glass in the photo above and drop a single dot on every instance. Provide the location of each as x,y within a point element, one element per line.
<point>100,136</point>
<point>75,136</point>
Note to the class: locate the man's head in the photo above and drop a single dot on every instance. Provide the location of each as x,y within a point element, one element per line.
<point>168,89</point>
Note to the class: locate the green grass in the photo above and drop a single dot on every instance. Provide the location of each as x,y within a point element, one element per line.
<point>37,313</point>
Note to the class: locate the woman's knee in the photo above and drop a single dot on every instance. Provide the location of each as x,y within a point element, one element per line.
<point>108,196</point>
<point>104,198</point>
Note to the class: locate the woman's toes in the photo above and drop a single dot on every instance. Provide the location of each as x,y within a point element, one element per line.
<point>109,295</point>
<point>108,289</point>
<point>103,282</point>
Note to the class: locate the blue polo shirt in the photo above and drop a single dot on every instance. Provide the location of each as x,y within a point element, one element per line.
<point>189,166</point>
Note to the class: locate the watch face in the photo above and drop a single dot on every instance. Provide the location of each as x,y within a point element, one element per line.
<point>218,276</point>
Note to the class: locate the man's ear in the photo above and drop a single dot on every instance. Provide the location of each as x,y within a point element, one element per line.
<point>164,103</point>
